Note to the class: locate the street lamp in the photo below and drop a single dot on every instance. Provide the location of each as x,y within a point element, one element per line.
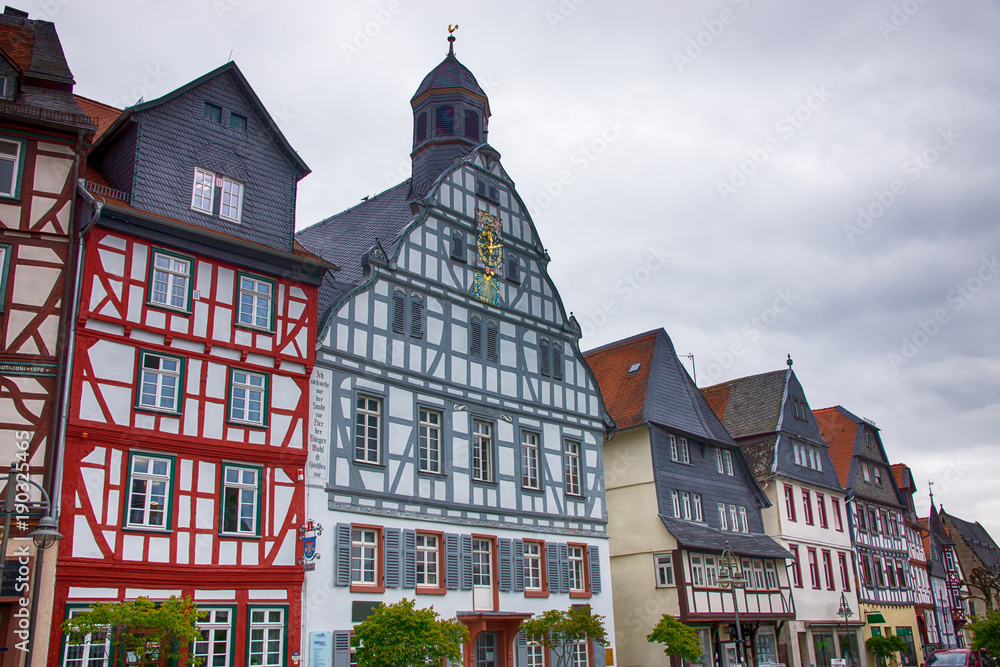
<point>845,611</point>
<point>45,533</point>
<point>731,577</point>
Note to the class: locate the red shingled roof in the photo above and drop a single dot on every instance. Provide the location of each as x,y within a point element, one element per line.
<point>717,398</point>
<point>17,43</point>
<point>624,394</point>
<point>103,114</point>
<point>897,472</point>
<point>839,432</point>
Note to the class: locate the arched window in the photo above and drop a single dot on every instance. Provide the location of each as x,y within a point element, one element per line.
<point>444,121</point>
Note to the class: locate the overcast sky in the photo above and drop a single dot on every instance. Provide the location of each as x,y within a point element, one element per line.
<point>758,178</point>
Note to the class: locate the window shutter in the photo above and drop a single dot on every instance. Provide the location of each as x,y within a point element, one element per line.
<point>466,562</point>
<point>492,353</point>
<point>342,648</point>
<point>409,558</point>
<point>522,649</point>
<point>458,245</point>
<point>552,566</point>
<point>451,562</point>
<point>342,547</point>
<point>506,565</point>
<point>518,566</point>
<point>476,338</point>
<point>543,356</point>
<point>512,267</point>
<point>563,568</point>
<point>398,311</point>
<point>557,362</point>
<point>391,559</point>
<point>416,316</point>
<point>597,650</point>
<point>595,569</point>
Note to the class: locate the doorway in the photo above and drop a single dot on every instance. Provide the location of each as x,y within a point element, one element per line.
<point>486,649</point>
<point>482,575</point>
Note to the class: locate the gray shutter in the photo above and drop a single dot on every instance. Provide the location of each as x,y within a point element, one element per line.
<point>598,650</point>
<point>492,350</point>
<point>543,356</point>
<point>466,562</point>
<point>409,558</point>
<point>564,568</point>
<point>398,311</point>
<point>342,561</point>
<point>458,244</point>
<point>518,548</point>
<point>506,564</point>
<point>476,337</point>
<point>557,362</point>
<point>552,566</point>
<point>391,559</point>
<point>595,569</point>
<point>512,266</point>
<point>342,648</point>
<point>416,316</point>
<point>522,649</point>
<point>451,562</point>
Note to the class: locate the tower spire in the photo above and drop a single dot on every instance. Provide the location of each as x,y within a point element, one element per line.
<point>451,38</point>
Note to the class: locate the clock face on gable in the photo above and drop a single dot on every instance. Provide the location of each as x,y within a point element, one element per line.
<point>489,256</point>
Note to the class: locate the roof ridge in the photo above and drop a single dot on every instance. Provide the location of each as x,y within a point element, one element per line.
<point>618,343</point>
<point>364,202</point>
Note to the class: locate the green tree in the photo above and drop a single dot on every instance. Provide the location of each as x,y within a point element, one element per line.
<point>402,636</point>
<point>885,648</point>
<point>560,631</point>
<point>677,638</point>
<point>141,633</point>
<point>986,632</point>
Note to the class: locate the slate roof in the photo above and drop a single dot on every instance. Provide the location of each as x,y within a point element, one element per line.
<point>103,114</point>
<point>976,537</point>
<point>450,74</point>
<point>695,536</point>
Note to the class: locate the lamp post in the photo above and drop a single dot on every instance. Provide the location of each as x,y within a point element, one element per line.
<point>45,533</point>
<point>731,577</point>
<point>845,611</point>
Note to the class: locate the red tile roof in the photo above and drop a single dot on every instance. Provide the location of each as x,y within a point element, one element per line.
<point>17,43</point>
<point>898,471</point>
<point>624,394</point>
<point>717,398</point>
<point>839,432</point>
<point>103,114</point>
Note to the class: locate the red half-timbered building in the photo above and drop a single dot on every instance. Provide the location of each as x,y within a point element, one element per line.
<point>195,340</point>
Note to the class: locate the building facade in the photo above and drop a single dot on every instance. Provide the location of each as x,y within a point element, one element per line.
<point>946,577</point>
<point>928,621</point>
<point>194,346</point>
<point>680,492</point>
<point>456,451</point>
<point>876,515</point>
<point>769,416</point>
<point>979,560</point>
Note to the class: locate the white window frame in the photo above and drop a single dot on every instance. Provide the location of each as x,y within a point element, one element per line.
<point>577,569</point>
<point>696,503</point>
<point>728,455</point>
<point>675,496</point>
<point>15,159</point>
<point>364,556</point>
<point>580,656</point>
<point>173,276</point>
<point>198,188</point>
<point>159,379</point>
<point>151,493</point>
<point>247,496</point>
<point>686,504</point>
<point>482,451</point>
<point>573,471</point>
<point>93,653</point>
<point>482,562</point>
<point>532,566</point>
<point>227,195</point>
<point>251,295</point>
<point>262,632</point>
<point>429,438</point>
<point>664,566</point>
<point>205,647</point>
<point>428,560</point>
<point>718,461</point>
<point>734,524</point>
<point>367,417</point>
<point>697,570</point>
<point>711,572</point>
<point>685,451</point>
<point>535,655</point>
<point>743,519</point>
<point>243,387</point>
<point>530,468</point>
<point>771,575</point>
<point>723,524</point>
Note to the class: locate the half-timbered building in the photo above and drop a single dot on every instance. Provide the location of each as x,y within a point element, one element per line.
<point>979,559</point>
<point>44,136</point>
<point>195,341</point>
<point>946,577</point>
<point>876,516</point>
<point>769,416</point>
<point>923,593</point>
<point>456,450</point>
<point>680,491</point>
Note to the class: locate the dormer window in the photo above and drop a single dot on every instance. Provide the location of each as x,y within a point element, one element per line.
<point>238,123</point>
<point>232,200</point>
<point>799,409</point>
<point>230,195</point>
<point>444,121</point>
<point>471,125</point>
<point>204,191</point>
<point>213,113</point>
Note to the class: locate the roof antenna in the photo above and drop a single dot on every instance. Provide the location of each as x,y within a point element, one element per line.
<point>930,490</point>
<point>694,371</point>
<point>451,38</point>
<point>789,362</point>
<point>230,56</point>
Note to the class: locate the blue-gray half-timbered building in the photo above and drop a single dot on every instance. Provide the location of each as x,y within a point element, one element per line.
<point>456,454</point>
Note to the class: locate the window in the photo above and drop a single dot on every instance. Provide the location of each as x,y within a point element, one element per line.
<point>256,303</point>
<point>719,465</point>
<point>577,569</point>
<point>91,651</point>
<point>232,200</point>
<point>529,460</point>
<point>821,509</point>
<point>807,510</point>
<point>728,457</point>
<point>877,472</point>
<point>160,379</point>
<point>216,636</point>
<point>864,471</point>
<point>364,557</point>
<point>796,568</point>
<point>866,570</point>
<point>267,637</point>
<point>734,522</point>
<point>770,574</point>
<point>696,502</point>
<point>367,429</point>
<point>813,568</point>
<point>664,570</point>
<point>799,409</point>
<point>686,505</point>
<point>543,356</point>
<point>458,245</point>
<point>482,563</point>
<point>807,456</point>
<point>10,167</point>
<point>901,574</point>
<point>149,491</point>
<point>444,121</point>
<point>204,191</point>
<point>828,570</point>
<point>535,655</point>
<point>790,502</point>
<point>240,500</point>
<point>743,519</point>
<point>845,579</point>
<point>675,496</point>
<point>874,525</point>
<point>711,572</point>
<point>878,565</point>
<point>248,397</point>
<point>482,451</point>
<point>679,450</point>
<point>697,571</point>
<point>428,573</point>
<point>471,125</point>
<point>533,566</point>
<point>580,657</point>
<point>572,468</point>
<point>722,516</point>
<point>170,281</point>
<point>5,253</point>
<point>430,440</point>
<point>890,575</point>
<point>213,113</point>
<point>859,513</point>
<point>767,652</point>
<point>890,519</point>
<point>238,123</point>
<point>835,507</point>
